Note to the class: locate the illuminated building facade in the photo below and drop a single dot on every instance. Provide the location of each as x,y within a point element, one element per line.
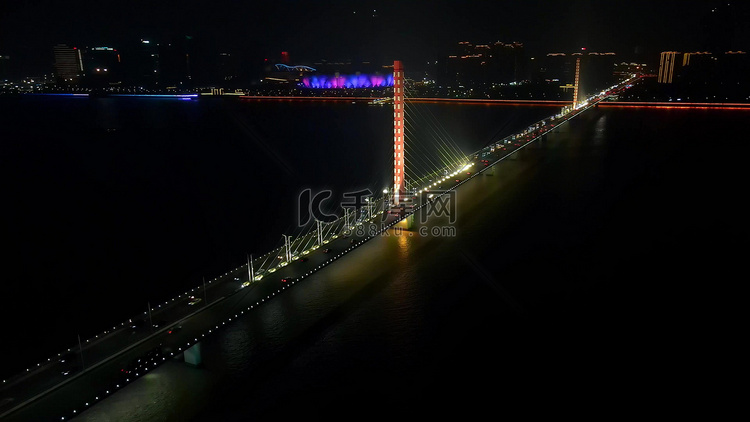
<point>348,81</point>
<point>666,66</point>
<point>68,64</point>
<point>704,76</point>
<point>701,66</point>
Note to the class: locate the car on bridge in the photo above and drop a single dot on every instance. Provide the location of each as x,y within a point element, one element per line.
<point>68,363</point>
<point>160,323</point>
<point>138,323</point>
<point>193,300</point>
<point>126,371</point>
<point>327,250</point>
<point>67,357</point>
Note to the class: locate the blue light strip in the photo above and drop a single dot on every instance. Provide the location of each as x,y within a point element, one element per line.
<point>282,66</point>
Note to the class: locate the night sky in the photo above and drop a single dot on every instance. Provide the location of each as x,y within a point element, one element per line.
<point>412,31</point>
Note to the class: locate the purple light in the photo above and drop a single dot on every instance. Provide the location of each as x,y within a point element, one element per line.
<point>182,96</point>
<point>60,95</point>
<point>347,81</point>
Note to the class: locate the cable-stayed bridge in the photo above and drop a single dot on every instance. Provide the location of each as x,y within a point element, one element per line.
<point>426,165</point>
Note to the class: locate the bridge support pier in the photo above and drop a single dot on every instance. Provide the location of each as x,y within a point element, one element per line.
<point>193,355</point>
<point>407,223</point>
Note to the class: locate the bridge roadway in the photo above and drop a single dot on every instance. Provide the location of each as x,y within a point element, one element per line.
<point>44,393</point>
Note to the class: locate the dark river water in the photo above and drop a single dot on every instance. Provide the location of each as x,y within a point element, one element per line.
<point>582,268</point>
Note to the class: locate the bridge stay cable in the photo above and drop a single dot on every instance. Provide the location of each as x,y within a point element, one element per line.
<point>428,164</point>
<point>446,144</point>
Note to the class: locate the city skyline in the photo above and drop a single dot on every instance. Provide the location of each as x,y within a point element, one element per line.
<point>328,210</point>
<point>415,32</point>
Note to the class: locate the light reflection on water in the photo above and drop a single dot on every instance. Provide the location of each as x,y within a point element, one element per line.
<point>332,313</point>
<point>392,312</point>
<point>172,392</point>
<point>235,349</point>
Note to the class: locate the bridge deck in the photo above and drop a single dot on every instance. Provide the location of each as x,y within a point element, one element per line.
<point>112,359</point>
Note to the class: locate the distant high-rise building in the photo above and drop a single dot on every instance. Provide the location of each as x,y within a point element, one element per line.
<point>596,70</point>
<point>696,56</point>
<point>475,65</point>
<point>4,67</point>
<point>702,67</point>
<point>735,66</point>
<point>285,57</point>
<point>68,64</point>
<point>666,66</point>
<point>145,63</point>
<point>557,67</point>
<point>508,62</point>
<point>176,62</point>
<point>705,76</point>
<point>699,66</point>
<point>102,66</point>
